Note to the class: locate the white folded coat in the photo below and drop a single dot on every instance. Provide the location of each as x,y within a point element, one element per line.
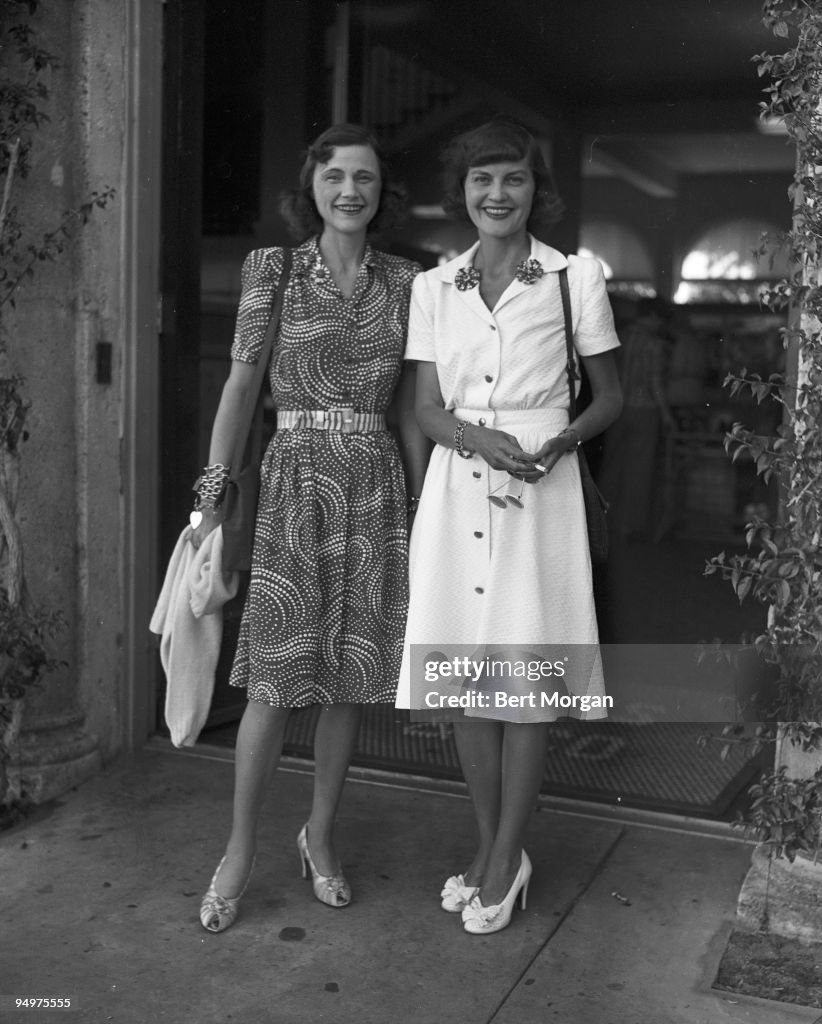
<point>189,619</point>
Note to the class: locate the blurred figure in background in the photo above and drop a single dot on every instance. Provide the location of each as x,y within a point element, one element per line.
<point>628,470</point>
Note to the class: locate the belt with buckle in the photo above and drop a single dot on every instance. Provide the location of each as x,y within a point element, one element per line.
<point>345,420</point>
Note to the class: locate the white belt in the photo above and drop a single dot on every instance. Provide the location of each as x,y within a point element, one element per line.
<point>345,420</point>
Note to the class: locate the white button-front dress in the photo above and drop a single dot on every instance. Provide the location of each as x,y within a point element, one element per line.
<point>510,584</point>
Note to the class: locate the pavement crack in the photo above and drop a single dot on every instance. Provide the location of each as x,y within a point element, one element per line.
<point>599,867</point>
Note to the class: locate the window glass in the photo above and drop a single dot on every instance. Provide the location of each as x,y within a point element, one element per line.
<point>723,266</point>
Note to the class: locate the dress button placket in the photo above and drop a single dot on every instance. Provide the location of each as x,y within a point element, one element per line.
<point>481,531</point>
<point>480,537</point>
<point>489,377</point>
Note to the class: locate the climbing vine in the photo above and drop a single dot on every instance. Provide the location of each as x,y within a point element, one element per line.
<point>782,564</point>
<point>26,69</point>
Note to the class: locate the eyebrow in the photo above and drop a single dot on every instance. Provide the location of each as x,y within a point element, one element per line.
<point>334,169</point>
<point>484,170</point>
<point>487,174</point>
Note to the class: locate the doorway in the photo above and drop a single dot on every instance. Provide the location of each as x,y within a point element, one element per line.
<point>416,73</point>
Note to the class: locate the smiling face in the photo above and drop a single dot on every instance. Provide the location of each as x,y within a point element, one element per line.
<point>499,197</point>
<point>347,189</point>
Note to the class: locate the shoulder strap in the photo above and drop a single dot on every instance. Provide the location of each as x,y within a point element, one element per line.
<point>261,365</point>
<point>570,367</point>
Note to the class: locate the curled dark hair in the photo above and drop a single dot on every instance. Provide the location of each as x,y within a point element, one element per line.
<point>297,206</point>
<point>499,141</point>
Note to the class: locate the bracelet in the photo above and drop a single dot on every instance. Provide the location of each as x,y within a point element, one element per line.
<point>575,432</point>
<point>413,503</point>
<point>210,494</point>
<point>459,434</point>
<point>210,486</point>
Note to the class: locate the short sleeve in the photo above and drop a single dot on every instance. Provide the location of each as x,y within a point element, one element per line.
<point>261,273</point>
<point>594,330</point>
<point>421,322</point>
<point>400,280</point>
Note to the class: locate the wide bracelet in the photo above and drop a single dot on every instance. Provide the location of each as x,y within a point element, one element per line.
<point>210,496</point>
<point>459,435</point>
<point>210,486</point>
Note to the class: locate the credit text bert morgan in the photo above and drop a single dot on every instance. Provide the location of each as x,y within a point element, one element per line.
<point>501,699</point>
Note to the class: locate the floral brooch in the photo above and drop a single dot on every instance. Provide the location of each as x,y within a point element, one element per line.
<point>319,272</point>
<point>528,271</point>
<point>467,278</point>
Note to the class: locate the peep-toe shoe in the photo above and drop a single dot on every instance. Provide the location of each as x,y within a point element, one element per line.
<point>456,895</point>
<point>332,890</point>
<point>219,912</point>
<point>480,920</point>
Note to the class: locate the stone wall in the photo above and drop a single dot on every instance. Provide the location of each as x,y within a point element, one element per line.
<point>66,339</point>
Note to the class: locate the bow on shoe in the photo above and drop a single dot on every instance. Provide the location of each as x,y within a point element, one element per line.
<point>483,916</point>
<point>480,920</point>
<point>332,890</point>
<point>216,912</point>
<point>456,894</point>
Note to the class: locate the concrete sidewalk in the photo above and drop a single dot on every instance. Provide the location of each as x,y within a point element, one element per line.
<point>101,894</point>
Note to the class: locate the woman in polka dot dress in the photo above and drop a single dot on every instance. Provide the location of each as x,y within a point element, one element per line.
<point>325,613</point>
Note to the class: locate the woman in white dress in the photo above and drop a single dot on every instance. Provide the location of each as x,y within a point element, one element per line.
<point>511,574</point>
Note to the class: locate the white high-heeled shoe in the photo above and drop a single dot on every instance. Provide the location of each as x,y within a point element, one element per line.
<point>480,920</point>
<point>456,895</point>
<point>219,912</point>
<point>332,890</point>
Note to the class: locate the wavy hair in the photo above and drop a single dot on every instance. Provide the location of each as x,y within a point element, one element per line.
<point>499,141</point>
<point>297,206</point>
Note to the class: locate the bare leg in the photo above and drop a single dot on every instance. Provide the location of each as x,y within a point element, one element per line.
<point>479,745</point>
<point>334,742</point>
<point>259,745</point>
<point>524,748</point>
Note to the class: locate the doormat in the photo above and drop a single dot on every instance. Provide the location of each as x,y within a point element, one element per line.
<point>770,967</point>
<point>659,767</point>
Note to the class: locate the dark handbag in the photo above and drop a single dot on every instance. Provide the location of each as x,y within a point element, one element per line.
<point>596,507</point>
<point>243,487</point>
<point>240,504</point>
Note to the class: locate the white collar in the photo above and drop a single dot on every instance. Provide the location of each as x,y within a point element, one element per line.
<point>552,260</point>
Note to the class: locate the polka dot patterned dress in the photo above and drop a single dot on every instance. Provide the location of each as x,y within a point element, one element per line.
<point>325,614</point>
